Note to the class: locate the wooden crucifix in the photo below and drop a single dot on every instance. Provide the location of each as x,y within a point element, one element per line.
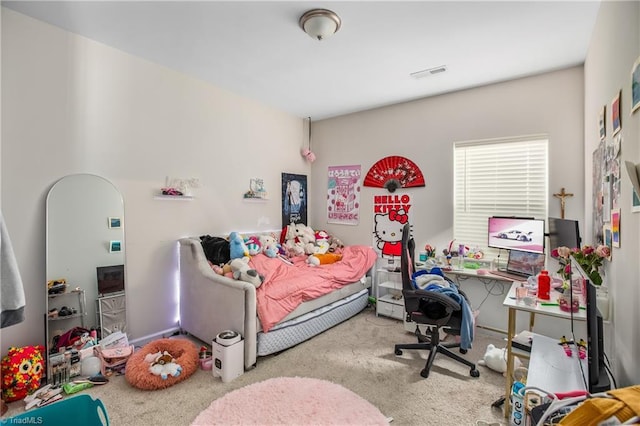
<point>562,195</point>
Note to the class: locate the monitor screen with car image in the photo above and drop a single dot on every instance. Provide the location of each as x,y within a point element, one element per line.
<point>516,233</point>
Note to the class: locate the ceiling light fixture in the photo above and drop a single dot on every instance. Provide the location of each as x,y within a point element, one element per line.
<point>320,23</point>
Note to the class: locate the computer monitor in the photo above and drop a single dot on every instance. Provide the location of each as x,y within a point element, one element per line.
<point>563,233</point>
<point>516,233</point>
<point>596,378</point>
<point>110,279</point>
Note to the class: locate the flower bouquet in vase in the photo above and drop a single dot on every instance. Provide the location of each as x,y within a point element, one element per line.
<point>590,260</point>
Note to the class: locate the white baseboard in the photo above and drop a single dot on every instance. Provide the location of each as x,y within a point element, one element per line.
<point>141,341</point>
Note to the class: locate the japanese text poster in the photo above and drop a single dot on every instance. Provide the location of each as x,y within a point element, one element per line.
<point>343,195</point>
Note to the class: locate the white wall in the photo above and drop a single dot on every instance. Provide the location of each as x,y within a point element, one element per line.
<point>425,130</point>
<point>614,47</point>
<point>71,105</point>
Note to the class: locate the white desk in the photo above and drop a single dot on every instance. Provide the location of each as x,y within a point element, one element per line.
<point>540,367</point>
<point>462,274</point>
<point>551,369</point>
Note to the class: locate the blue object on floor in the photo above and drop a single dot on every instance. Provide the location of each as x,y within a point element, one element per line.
<point>75,410</point>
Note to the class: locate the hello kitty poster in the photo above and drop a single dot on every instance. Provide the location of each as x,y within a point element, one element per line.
<point>390,213</point>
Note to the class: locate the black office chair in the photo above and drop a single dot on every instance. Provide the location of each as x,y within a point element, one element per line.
<point>435,310</point>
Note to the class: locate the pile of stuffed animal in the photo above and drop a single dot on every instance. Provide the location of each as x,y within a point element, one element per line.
<point>295,240</point>
<point>163,364</point>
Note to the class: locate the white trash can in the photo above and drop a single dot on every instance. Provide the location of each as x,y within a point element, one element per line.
<point>228,355</point>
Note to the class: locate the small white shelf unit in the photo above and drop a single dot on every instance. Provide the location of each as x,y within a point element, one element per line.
<point>388,294</point>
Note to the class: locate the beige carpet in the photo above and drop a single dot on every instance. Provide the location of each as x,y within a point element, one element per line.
<point>357,354</point>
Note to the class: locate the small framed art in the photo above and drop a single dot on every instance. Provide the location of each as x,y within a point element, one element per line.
<point>115,223</point>
<point>616,123</point>
<point>635,86</point>
<point>602,122</point>
<point>115,246</point>
<point>606,235</point>
<point>615,228</point>
<point>635,202</point>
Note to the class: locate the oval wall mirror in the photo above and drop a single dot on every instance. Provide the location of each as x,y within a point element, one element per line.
<point>85,257</point>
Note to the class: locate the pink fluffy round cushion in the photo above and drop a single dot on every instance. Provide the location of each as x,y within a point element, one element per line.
<point>137,371</point>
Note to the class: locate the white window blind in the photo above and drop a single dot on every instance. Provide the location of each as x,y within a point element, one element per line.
<point>505,177</point>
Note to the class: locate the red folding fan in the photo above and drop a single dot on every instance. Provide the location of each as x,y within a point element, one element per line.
<point>394,172</point>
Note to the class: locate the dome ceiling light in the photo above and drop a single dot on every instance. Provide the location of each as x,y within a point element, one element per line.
<point>320,23</point>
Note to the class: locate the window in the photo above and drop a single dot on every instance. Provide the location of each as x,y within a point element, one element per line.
<point>502,177</point>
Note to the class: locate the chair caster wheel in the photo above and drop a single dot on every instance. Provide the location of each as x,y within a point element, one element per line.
<point>474,373</point>
<point>424,373</point>
<point>398,351</point>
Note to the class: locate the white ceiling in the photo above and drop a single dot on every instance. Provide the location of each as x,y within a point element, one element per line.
<point>257,49</point>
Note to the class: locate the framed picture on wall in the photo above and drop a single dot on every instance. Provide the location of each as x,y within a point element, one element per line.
<point>615,228</point>
<point>115,223</point>
<point>602,122</point>
<point>115,246</point>
<point>606,232</point>
<point>635,86</point>
<point>616,124</point>
<point>294,199</point>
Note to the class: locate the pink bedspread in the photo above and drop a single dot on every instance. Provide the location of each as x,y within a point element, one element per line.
<point>287,286</point>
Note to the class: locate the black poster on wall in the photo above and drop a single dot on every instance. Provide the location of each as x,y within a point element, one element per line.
<point>294,199</point>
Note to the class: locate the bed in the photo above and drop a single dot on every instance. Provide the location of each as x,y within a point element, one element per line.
<point>294,302</point>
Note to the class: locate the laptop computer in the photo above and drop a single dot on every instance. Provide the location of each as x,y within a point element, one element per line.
<point>521,265</point>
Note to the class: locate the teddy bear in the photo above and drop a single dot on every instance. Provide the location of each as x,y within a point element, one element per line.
<point>269,245</point>
<point>242,271</point>
<point>307,237</point>
<point>237,247</point>
<point>496,359</point>
<point>290,241</point>
<point>335,245</point>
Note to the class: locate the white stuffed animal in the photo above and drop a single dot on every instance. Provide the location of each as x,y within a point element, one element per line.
<point>307,237</point>
<point>163,364</point>
<point>496,359</point>
<point>166,370</point>
<point>242,271</point>
<point>290,242</point>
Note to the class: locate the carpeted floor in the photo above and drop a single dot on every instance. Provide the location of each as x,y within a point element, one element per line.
<point>358,355</point>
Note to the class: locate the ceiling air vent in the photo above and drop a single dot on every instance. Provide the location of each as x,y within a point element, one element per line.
<point>428,72</point>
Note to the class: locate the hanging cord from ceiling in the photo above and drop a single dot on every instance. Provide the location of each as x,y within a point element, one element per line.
<point>306,152</point>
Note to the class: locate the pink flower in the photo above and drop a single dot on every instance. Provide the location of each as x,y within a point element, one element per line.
<point>587,250</point>
<point>564,252</point>
<point>603,251</point>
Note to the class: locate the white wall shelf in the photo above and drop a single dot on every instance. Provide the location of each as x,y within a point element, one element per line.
<point>174,197</point>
